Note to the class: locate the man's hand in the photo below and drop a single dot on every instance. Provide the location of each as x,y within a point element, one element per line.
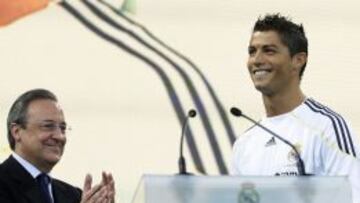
<point>109,183</point>
<point>103,192</point>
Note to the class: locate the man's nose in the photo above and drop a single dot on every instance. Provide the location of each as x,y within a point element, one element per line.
<point>258,58</point>
<point>59,132</point>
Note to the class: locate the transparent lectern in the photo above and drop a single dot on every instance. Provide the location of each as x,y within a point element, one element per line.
<point>238,189</point>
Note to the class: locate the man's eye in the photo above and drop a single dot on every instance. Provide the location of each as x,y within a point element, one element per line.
<point>53,127</point>
<point>63,127</point>
<point>270,51</point>
<point>251,51</point>
<point>49,126</point>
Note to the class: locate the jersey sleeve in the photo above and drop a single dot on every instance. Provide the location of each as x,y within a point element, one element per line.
<point>339,147</point>
<point>340,155</point>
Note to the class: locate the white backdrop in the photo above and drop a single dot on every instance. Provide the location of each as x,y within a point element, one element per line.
<point>122,117</point>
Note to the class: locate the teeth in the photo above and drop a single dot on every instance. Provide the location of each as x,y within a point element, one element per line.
<point>261,72</point>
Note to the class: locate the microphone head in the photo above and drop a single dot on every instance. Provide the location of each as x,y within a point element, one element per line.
<point>236,112</point>
<point>192,113</point>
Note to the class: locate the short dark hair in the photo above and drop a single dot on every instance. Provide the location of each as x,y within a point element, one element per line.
<point>291,34</point>
<point>18,111</point>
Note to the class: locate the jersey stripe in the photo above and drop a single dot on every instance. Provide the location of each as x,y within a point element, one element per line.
<point>341,129</point>
<point>343,122</point>
<point>332,121</point>
<point>338,122</point>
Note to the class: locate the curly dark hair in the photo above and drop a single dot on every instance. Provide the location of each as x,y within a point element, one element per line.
<point>291,34</point>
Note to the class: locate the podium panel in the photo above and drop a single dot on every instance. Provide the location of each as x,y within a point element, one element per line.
<point>238,189</point>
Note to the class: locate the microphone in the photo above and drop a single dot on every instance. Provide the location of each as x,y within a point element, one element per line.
<point>299,162</point>
<point>181,161</point>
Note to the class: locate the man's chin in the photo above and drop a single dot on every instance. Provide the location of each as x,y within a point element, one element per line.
<point>264,90</point>
<point>53,160</point>
<point>47,163</point>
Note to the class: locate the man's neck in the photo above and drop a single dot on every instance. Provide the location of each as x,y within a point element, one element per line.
<point>283,102</point>
<point>43,167</point>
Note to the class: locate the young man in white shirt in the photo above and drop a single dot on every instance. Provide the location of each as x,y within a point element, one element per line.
<point>277,58</point>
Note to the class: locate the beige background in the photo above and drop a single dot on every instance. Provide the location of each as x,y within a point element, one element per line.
<point>121,116</point>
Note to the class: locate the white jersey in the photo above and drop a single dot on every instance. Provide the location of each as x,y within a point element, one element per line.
<point>323,138</point>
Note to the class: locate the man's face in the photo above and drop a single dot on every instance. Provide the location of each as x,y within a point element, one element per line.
<point>270,65</point>
<point>43,139</point>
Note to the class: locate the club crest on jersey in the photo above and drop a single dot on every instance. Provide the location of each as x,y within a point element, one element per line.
<point>292,158</point>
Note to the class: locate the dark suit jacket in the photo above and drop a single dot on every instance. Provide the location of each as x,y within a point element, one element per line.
<point>18,186</point>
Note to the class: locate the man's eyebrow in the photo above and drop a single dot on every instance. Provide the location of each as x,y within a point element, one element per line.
<point>270,46</point>
<point>47,120</point>
<point>52,121</point>
<point>263,46</point>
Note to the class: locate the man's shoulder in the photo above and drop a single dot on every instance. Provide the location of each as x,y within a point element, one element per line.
<point>319,110</point>
<point>3,170</point>
<point>10,181</point>
<point>7,166</point>
<point>321,115</point>
<point>316,115</point>
<point>335,128</point>
<point>5,162</point>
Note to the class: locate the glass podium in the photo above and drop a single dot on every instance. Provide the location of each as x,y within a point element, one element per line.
<point>242,189</point>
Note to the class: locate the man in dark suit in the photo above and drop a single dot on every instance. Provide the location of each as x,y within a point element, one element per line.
<point>36,133</point>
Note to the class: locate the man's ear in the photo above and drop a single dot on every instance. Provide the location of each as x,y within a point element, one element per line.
<point>15,130</point>
<point>298,60</point>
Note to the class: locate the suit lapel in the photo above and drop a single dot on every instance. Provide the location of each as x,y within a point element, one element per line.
<point>62,194</point>
<point>25,182</point>
<point>32,194</point>
<point>59,195</point>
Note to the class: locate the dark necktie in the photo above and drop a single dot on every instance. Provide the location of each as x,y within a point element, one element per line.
<point>44,181</point>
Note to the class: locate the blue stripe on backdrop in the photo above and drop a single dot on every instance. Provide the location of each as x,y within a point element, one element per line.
<point>215,98</point>
<point>191,88</point>
<point>175,101</point>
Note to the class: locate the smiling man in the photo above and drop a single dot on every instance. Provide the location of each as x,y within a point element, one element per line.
<point>278,52</point>
<point>37,135</point>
